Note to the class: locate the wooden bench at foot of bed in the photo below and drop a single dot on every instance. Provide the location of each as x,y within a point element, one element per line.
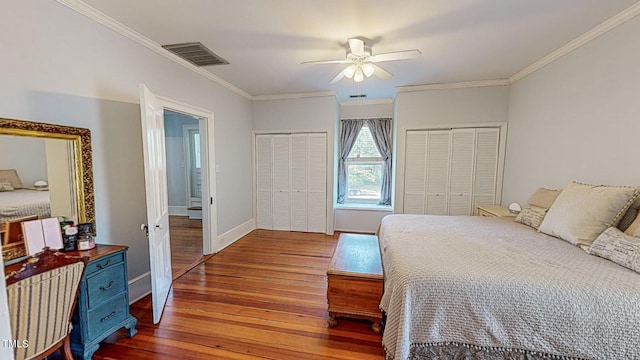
<point>355,280</point>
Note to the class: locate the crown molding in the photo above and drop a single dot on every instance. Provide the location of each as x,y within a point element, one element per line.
<point>367,102</point>
<point>455,85</point>
<point>613,22</point>
<point>293,96</point>
<point>101,18</point>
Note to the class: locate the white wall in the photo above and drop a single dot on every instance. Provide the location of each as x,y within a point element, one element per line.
<point>26,155</point>
<point>442,108</point>
<point>578,118</point>
<point>66,69</point>
<point>366,109</point>
<point>319,113</point>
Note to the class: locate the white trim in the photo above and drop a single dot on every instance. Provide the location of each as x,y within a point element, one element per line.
<point>293,96</point>
<point>611,23</point>
<point>103,19</point>
<point>139,287</point>
<point>236,233</point>
<point>454,85</point>
<point>367,102</point>
<point>209,228</point>
<point>178,211</point>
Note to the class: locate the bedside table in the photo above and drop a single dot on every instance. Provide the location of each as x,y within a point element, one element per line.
<point>494,211</point>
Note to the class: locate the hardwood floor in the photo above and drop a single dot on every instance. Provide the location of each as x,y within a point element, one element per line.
<point>186,244</point>
<point>263,297</point>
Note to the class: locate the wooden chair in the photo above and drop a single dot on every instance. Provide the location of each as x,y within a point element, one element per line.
<point>42,292</point>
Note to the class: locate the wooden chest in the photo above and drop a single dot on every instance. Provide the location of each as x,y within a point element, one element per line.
<point>355,279</point>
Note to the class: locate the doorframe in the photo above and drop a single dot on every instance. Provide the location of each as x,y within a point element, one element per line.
<point>186,140</point>
<point>210,242</point>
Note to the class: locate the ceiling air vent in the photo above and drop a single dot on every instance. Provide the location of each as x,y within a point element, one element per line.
<point>359,96</point>
<point>196,53</point>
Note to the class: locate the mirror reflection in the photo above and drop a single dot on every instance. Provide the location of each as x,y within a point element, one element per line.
<point>45,171</point>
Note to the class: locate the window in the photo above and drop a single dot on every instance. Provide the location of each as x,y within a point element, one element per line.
<point>364,170</point>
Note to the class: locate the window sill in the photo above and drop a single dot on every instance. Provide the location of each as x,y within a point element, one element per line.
<point>367,207</point>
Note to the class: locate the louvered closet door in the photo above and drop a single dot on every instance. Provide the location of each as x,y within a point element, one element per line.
<point>299,204</point>
<point>438,152</point>
<point>263,182</point>
<point>281,186</point>
<point>461,173</point>
<point>415,175</point>
<point>486,166</point>
<point>317,183</point>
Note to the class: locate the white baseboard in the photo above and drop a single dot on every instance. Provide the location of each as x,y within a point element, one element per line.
<point>178,210</point>
<point>139,287</point>
<point>236,233</point>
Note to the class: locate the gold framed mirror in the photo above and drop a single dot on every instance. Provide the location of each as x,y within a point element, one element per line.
<point>56,166</point>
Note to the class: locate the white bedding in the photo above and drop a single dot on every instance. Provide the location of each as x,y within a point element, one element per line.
<point>494,285</point>
<point>24,202</point>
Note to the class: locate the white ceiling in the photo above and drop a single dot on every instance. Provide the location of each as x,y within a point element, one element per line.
<point>266,40</point>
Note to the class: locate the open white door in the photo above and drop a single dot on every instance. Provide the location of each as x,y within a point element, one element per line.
<point>155,178</point>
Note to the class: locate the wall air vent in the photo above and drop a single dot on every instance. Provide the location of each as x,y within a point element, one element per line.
<point>359,96</point>
<point>196,53</point>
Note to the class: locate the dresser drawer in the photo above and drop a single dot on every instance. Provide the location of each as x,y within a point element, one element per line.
<point>104,263</point>
<point>105,284</point>
<point>107,315</point>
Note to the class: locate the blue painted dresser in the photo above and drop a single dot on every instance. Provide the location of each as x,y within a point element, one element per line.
<point>103,299</point>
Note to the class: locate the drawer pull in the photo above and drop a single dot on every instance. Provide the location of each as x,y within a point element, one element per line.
<point>113,313</point>
<point>104,288</point>
<point>103,266</point>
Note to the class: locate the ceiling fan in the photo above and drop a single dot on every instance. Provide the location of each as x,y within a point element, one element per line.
<point>362,63</point>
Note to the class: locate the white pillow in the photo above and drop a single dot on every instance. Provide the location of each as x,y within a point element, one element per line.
<point>618,247</point>
<point>582,212</point>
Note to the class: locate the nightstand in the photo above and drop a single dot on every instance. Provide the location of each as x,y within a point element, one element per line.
<point>494,211</point>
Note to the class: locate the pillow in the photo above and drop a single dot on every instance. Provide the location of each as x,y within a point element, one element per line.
<point>5,185</point>
<point>531,215</point>
<point>634,228</point>
<point>630,215</point>
<point>582,212</point>
<point>618,247</point>
<point>543,198</point>
<point>11,175</point>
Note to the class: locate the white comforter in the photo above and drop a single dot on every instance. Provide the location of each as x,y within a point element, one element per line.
<point>24,202</point>
<point>494,283</point>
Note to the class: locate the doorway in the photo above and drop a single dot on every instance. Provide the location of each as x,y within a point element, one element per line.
<point>184,188</point>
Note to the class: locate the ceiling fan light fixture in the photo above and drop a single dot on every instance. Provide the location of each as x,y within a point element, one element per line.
<point>350,71</point>
<point>359,75</point>
<point>368,69</point>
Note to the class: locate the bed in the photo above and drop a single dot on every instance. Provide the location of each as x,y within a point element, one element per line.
<point>465,287</point>
<point>24,202</point>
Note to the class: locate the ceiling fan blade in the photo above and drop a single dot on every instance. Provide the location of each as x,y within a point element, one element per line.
<point>357,46</point>
<point>338,77</point>
<point>381,73</point>
<point>341,61</point>
<point>396,55</point>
